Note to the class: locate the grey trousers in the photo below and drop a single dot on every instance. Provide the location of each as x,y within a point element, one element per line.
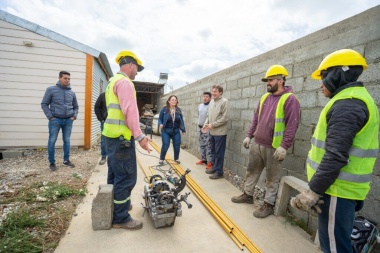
<point>205,146</point>
<point>261,157</point>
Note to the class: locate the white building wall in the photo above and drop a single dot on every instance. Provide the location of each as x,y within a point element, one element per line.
<point>25,74</point>
<point>100,82</point>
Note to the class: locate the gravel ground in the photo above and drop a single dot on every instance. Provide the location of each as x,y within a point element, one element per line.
<point>21,172</point>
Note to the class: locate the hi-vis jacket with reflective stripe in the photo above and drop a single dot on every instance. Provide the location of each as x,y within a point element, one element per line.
<point>279,126</point>
<point>115,126</point>
<point>354,178</point>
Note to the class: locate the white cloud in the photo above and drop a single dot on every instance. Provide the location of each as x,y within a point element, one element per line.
<point>189,39</point>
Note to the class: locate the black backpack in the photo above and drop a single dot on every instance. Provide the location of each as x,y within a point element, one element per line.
<point>364,235</point>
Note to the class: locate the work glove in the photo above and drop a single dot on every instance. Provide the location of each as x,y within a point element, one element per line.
<point>246,142</point>
<point>308,201</point>
<point>279,154</point>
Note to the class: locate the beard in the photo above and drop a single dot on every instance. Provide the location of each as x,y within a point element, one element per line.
<point>272,89</point>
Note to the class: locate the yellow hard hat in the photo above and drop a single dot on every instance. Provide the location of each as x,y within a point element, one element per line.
<point>275,72</point>
<point>127,53</point>
<point>343,57</point>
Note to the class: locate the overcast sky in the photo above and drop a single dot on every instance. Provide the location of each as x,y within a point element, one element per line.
<point>188,39</point>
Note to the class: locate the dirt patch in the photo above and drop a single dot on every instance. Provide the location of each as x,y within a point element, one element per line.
<point>23,184</point>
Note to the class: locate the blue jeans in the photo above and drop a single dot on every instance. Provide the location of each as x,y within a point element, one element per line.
<point>166,135</point>
<point>335,223</point>
<point>122,173</point>
<point>54,126</point>
<point>218,149</point>
<point>103,148</point>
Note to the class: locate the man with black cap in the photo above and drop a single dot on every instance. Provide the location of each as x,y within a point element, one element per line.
<point>273,128</point>
<point>344,148</point>
<point>121,130</point>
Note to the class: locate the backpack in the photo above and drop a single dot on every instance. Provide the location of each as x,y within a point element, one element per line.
<point>364,235</point>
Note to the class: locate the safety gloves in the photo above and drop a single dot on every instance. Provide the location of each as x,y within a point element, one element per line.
<point>279,154</point>
<point>308,201</point>
<point>246,142</point>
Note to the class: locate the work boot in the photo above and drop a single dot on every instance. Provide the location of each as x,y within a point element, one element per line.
<point>102,161</point>
<point>216,176</point>
<point>201,162</point>
<point>68,163</point>
<point>130,225</point>
<point>264,211</point>
<point>209,166</point>
<point>53,167</point>
<point>244,198</point>
<point>210,171</point>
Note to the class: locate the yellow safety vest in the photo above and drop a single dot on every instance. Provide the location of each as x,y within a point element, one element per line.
<point>279,124</point>
<point>354,178</point>
<point>115,126</point>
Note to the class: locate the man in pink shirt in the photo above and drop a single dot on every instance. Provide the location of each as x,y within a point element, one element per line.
<point>121,130</point>
<point>273,128</point>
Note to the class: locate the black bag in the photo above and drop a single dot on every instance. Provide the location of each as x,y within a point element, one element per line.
<point>364,235</point>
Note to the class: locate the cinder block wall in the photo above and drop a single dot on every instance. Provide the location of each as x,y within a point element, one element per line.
<point>243,88</point>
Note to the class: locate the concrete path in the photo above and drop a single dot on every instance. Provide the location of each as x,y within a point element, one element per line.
<point>195,231</point>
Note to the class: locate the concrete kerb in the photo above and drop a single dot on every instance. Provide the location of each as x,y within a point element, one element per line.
<point>287,183</point>
<point>102,208</point>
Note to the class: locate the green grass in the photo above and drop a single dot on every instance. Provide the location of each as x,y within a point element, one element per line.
<point>29,227</point>
<point>45,192</point>
<point>15,233</point>
<point>53,191</point>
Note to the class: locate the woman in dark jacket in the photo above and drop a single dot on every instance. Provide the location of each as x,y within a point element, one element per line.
<point>171,123</point>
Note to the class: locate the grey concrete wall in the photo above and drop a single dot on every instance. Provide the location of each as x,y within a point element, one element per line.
<point>243,88</point>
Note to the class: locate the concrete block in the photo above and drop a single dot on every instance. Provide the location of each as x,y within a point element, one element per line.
<point>253,103</point>
<point>295,164</point>
<point>287,183</point>
<point>235,114</point>
<point>244,82</point>
<point>372,73</point>
<point>305,132</point>
<point>321,100</point>
<point>239,158</point>
<point>296,83</point>
<point>310,116</point>
<point>373,89</point>
<point>311,84</point>
<point>249,92</point>
<point>241,103</point>
<point>376,168</point>
<point>231,85</point>
<point>261,90</point>
<point>246,115</point>
<point>308,99</point>
<point>235,94</point>
<point>301,148</point>
<point>12,153</point>
<point>241,170</point>
<point>236,124</point>
<point>102,208</point>
<point>305,67</point>
<point>374,192</point>
<point>372,52</point>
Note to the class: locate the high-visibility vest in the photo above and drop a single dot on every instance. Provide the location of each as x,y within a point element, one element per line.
<point>354,178</point>
<point>279,124</point>
<point>115,126</point>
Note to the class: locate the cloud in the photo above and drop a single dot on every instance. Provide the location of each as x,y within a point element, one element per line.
<point>187,39</point>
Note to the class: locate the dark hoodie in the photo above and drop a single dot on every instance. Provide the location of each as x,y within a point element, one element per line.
<point>344,120</point>
<point>262,129</point>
